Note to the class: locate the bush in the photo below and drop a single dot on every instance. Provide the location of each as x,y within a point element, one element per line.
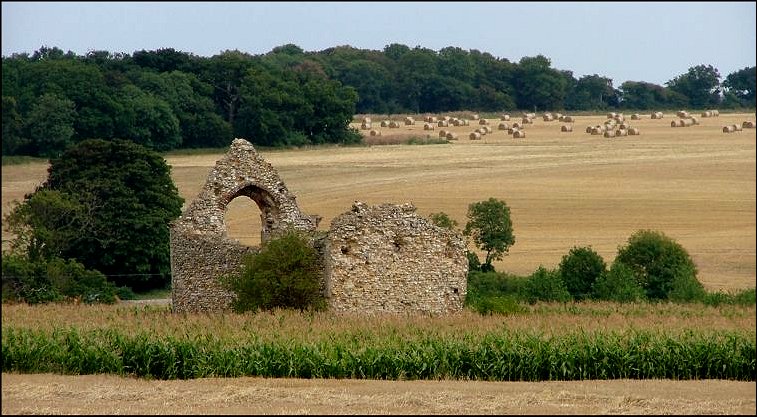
<point>36,282</point>
<point>492,292</point>
<point>579,269</point>
<point>660,264</point>
<point>618,284</point>
<point>443,220</point>
<point>286,273</point>
<point>545,285</point>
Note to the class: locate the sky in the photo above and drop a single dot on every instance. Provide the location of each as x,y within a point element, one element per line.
<point>624,41</point>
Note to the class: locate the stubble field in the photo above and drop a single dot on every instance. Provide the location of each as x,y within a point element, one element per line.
<point>695,184</point>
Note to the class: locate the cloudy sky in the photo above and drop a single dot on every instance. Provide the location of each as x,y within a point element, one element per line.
<point>637,41</point>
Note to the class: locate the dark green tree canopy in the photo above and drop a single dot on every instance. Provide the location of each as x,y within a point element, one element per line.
<point>580,269</point>
<point>124,198</point>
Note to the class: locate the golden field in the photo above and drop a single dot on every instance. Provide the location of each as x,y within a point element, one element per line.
<point>696,184</point>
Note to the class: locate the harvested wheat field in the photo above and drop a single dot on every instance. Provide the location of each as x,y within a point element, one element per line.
<point>696,184</point>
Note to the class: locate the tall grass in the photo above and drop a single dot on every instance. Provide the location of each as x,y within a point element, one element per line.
<point>546,341</point>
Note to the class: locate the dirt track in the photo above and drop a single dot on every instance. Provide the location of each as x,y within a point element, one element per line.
<point>98,394</point>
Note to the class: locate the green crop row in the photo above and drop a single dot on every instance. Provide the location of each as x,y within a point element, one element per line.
<point>504,355</point>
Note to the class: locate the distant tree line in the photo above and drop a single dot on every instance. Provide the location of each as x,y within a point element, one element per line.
<point>167,99</point>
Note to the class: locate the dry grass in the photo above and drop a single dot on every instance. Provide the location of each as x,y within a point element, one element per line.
<point>696,185</point>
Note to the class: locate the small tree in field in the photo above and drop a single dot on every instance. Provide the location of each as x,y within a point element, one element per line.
<point>661,265</point>
<point>441,219</point>
<point>490,228</point>
<point>579,269</point>
<point>284,274</point>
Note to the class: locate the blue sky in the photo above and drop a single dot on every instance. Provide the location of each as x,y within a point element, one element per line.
<point>637,41</point>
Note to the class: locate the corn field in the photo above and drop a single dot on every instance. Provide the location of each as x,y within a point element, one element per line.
<point>548,342</point>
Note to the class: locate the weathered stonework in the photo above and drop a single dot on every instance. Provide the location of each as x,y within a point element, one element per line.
<point>386,258</point>
<point>376,259</point>
<point>201,251</point>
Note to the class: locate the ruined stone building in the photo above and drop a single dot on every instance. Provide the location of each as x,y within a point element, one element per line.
<point>384,258</point>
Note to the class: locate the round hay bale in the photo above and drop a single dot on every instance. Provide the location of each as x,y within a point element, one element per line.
<point>367,120</point>
<point>503,126</point>
<point>547,117</point>
<point>428,126</point>
<point>474,136</point>
<point>475,117</point>
<point>589,129</point>
<point>566,128</point>
<point>365,126</point>
<point>483,122</point>
<point>728,129</point>
<point>748,125</point>
<point>517,125</point>
<point>621,132</point>
<point>611,115</point>
<point>694,120</point>
<point>442,123</point>
<point>687,122</point>
<point>433,119</point>
<point>447,118</point>
<point>635,116</point>
<point>609,134</point>
<point>558,115</point>
<point>568,119</point>
<point>683,114</point>
<point>519,134</point>
<point>385,123</point>
<point>443,133</point>
<point>716,113</point>
<point>481,131</point>
<point>738,128</point>
<point>505,118</point>
<point>674,123</point>
<point>597,131</point>
<point>394,124</point>
<point>375,132</point>
<point>623,126</point>
<point>409,121</point>
<point>634,131</point>
<point>707,113</point>
<point>451,136</point>
<point>488,129</point>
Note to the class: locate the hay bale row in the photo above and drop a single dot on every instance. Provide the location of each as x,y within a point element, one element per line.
<point>566,128</point>
<point>430,119</point>
<point>732,128</point>
<point>460,122</point>
<point>684,122</point>
<point>748,125</point>
<point>710,113</point>
<point>657,115</point>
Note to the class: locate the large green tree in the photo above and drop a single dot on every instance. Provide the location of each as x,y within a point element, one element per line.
<point>123,198</point>
<point>742,85</point>
<point>701,84</point>
<point>491,229</point>
<point>50,125</point>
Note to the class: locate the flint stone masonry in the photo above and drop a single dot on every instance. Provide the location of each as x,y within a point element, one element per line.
<point>202,252</point>
<point>379,259</point>
<point>386,258</point>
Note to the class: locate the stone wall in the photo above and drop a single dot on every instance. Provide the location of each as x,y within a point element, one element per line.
<point>386,258</point>
<point>376,259</point>
<point>201,251</point>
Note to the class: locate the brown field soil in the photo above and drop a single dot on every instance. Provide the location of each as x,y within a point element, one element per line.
<point>695,184</point>
<point>105,394</point>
